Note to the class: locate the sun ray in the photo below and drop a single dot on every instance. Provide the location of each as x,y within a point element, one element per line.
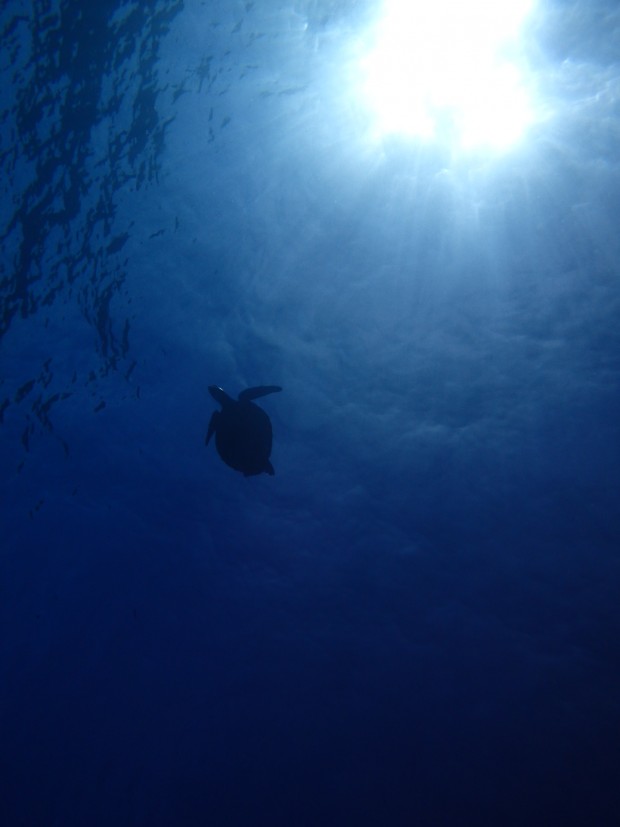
<point>449,70</point>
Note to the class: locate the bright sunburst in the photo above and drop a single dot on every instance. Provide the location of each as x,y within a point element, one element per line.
<point>449,70</point>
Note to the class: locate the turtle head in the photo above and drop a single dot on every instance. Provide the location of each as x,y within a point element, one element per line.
<point>219,395</point>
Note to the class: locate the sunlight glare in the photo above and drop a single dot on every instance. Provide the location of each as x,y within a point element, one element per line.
<point>449,70</point>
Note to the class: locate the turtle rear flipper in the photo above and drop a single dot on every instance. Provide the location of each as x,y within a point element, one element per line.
<point>268,469</point>
<point>255,393</point>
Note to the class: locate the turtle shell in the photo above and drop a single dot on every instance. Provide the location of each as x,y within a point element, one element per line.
<point>243,437</point>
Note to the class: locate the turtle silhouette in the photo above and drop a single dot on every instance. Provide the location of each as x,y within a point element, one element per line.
<point>243,434</point>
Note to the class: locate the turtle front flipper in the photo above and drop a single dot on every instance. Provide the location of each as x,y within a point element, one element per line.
<point>256,393</point>
<point>212,426</point>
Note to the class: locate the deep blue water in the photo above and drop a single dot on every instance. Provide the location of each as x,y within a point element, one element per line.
<point>414,622</point>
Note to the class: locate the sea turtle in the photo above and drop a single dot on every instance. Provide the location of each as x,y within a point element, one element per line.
<point>242,430</point>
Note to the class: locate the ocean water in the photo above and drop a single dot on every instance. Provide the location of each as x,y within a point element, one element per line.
<point>416,620</point>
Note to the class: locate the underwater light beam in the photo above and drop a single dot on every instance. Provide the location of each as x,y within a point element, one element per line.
<point>450,70</point>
